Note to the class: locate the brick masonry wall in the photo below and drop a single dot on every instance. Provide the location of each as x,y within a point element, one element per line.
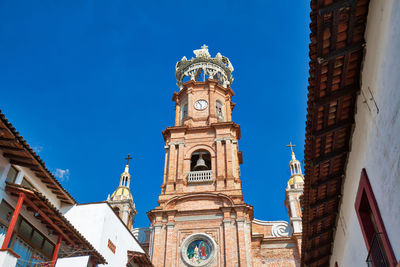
<point>214,208</point>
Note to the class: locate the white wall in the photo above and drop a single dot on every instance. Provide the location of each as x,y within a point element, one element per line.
<point>98,223</point>
<point>81,261</point>
<point>7,259</point>
<point>28,215</point>
<point>376,143</point>
<point>26,172</point>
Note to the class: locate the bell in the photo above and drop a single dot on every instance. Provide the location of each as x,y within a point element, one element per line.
<point>201,164</point>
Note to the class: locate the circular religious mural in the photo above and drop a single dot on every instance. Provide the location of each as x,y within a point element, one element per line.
<point>198,250</point>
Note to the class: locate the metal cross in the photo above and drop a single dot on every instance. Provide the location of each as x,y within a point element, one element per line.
<point>291,146</point>
<point>128,158</point>
<point>204,46</point>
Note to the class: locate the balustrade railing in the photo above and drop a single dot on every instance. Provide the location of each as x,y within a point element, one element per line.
<point>199,176</point>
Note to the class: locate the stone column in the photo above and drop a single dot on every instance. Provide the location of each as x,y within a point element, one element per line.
<point>294,216</point>
<point>235,162</point>
<point>247,235</point>
<point>229,170</point>
<point>171,168</point>
<point>212,109</point>
<point>190,101</point>
<point>169,259</point>
<point>240,222</point>
<point>228,243</point>
<point>220,161</point>
<point>125,214</point>
<point>228,109</point>
<point>158,245</point>
<point>177,113</point>
<point>230,253</point>
<point>180,163</point>
<point>228,153</point>
<point>298,238</point>
<point>165,166</point>
<point>170,241</point>
<point>151,244</point>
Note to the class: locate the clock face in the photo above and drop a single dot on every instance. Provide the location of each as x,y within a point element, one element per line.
<point>200,104</point>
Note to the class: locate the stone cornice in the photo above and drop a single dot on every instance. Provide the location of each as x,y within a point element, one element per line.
<point>192,84</point>
<point>176,143</point>
<point>186,129</point>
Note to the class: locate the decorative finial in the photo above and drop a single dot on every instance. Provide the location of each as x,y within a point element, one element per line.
<point>202,52</point>
<point>128,158</point>
<point>217,68</point>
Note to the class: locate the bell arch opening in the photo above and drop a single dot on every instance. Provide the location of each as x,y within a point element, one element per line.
<point>200,160</point>
<point>219,110</point>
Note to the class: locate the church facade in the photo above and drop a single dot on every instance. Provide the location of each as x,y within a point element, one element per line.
<point>202,219</point>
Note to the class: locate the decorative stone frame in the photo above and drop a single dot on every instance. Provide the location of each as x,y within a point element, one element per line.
<point>198,236</point>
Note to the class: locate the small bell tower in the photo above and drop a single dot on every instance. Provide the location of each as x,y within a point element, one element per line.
<point>121,200</point>
<point>294,196</point>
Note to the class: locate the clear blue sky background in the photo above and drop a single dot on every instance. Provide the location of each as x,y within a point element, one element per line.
<point>87,82</point>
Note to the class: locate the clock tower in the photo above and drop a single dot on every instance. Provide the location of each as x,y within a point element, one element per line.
<point>202,219</point>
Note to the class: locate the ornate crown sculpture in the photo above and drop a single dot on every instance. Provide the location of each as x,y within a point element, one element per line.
<point>218,68</point>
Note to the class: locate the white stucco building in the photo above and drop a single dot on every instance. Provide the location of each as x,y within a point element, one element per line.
<point>352,200</point>
<point>106,231</point>
<point>41,223</point>
<point>375,148</point>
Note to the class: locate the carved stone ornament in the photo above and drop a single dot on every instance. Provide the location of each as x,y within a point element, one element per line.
<point>278,228</point>
<point>198,250</point>
<point>281,229</point>
<point>218,68</point>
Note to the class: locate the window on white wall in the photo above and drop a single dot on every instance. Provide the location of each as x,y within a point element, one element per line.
<point>12,175</point>
<point>6,212</point>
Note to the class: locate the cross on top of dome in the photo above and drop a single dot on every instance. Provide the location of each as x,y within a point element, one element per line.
<point>291,146</point>
<point>128,158</point>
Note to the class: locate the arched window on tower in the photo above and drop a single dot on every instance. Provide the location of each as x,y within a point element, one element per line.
<point>184,112</point>
<point>219,110</point>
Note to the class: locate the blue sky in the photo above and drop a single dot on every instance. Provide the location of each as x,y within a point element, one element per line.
<point>87,82</point>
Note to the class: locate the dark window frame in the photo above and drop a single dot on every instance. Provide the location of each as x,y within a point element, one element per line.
<point>365,200</point>
<point>8,179</point>
<point>16,233</point>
